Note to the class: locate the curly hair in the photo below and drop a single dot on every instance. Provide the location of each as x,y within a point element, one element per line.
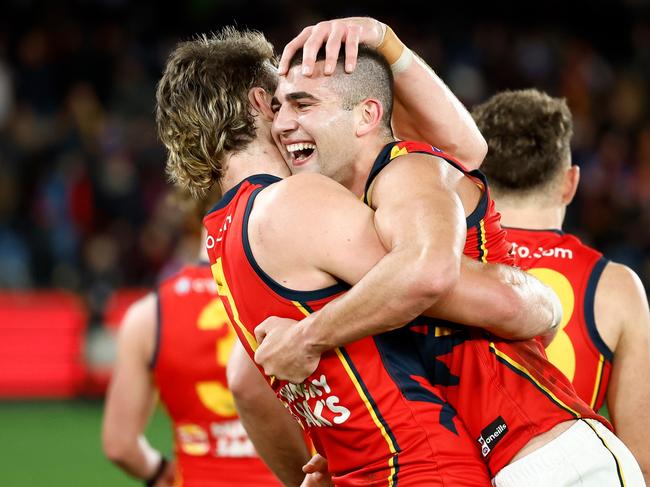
<point>202,107</point>
<point>528,135</point>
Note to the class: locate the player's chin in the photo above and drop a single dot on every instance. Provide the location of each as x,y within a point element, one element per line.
<point>301,167</point>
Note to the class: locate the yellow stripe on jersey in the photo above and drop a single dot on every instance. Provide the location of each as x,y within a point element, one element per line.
<point>599,374</point>
<point>396,152</point>
<point>371,410</point>
<point>224,290</point>
<point>524,371</point>
<point>366,402</point>
<point>302,309</point>
<point>483,241</point>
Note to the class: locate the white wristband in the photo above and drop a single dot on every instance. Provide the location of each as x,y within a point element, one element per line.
<point>403,61</point>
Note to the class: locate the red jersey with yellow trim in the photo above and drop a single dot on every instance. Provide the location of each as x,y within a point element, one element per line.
<point>194,341</point>
<point>505,392</point>
<point>573,270</point>
<point>483,221</point>
<point>367,407</point>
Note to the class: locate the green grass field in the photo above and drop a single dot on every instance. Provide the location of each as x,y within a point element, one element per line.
<point>57,443</point>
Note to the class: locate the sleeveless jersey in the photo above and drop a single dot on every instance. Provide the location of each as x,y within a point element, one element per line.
<point>194,341</point>
<point>485,237</point>
<point>505,392</point>
<point>573,270</point>
<point>367,406</point>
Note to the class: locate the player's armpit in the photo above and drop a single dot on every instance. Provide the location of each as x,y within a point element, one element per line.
<point>623,321</point>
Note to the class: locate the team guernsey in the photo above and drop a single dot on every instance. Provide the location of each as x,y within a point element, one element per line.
<point>193,343</point>
<point>505,392</point>
<point>367,407</point>
<point>573,270</point>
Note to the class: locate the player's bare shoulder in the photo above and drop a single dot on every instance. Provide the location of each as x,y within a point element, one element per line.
<point>299,207</point>
<point>415,170</point>
<point>620,303</point>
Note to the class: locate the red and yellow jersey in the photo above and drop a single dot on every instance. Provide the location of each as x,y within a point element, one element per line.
<point>573,270</point>
<point>505,392</point>
<point>367,406</point>
<point>193,344</point>
<point>484,221</point>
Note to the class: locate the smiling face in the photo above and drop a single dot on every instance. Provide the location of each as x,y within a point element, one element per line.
<point>313,130</point>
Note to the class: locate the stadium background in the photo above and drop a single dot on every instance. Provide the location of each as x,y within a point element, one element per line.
<point>83,198</point>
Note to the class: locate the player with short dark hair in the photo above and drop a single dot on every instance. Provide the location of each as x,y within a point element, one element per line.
<point>374,433</point>
<point>511,399</point>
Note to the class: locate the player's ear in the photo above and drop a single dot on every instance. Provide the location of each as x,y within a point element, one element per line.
<point>570,185</point>
<point>370,113</point>
<point>260,100</point>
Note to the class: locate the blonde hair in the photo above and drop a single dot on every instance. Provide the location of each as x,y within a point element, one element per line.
<point>202,107</point>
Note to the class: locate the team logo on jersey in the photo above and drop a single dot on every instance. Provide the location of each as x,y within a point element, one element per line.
<point>193,439</point>
<point>492,434</point>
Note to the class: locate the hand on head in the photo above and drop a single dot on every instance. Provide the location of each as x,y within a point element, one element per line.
<point>351,31</point>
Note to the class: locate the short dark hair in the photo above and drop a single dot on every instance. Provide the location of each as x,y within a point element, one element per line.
<point>528,135</point>
<point>372,78</point>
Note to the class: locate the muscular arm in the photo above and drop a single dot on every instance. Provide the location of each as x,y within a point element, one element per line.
<point>623,320</point>
<point>391,289</point>
<point>424,107</point>
<point>424,232</point>
<point>131,394</point>
<point>266,420</point>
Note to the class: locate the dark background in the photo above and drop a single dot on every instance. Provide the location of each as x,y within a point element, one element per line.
<point>83,201</point>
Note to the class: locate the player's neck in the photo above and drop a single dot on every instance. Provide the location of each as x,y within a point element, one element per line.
<point>363,165</point>
<point>260,157</point>
<point>533,217</point>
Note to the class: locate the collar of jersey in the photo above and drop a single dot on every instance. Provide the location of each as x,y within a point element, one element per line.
<point>261,179</point>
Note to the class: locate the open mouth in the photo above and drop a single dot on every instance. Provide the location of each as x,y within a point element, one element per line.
<point>300,152</point>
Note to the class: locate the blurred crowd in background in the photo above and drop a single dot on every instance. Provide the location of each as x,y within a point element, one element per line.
<point>84,203</point>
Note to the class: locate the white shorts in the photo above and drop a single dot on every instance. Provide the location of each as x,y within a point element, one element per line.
<point>587,454</point>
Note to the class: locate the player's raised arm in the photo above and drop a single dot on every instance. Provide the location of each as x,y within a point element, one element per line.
<point>623,319</point>
<point>424,107</point>
<point>131,398</point>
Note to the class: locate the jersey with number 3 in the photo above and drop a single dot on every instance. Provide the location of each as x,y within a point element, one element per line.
<point>194,341</point>
<point>573,270</point>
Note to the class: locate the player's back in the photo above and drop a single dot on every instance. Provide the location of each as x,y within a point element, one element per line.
<point>573,270</point>
<point>367,406</point>
<point>505,392</point>
<point>194,341</point>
